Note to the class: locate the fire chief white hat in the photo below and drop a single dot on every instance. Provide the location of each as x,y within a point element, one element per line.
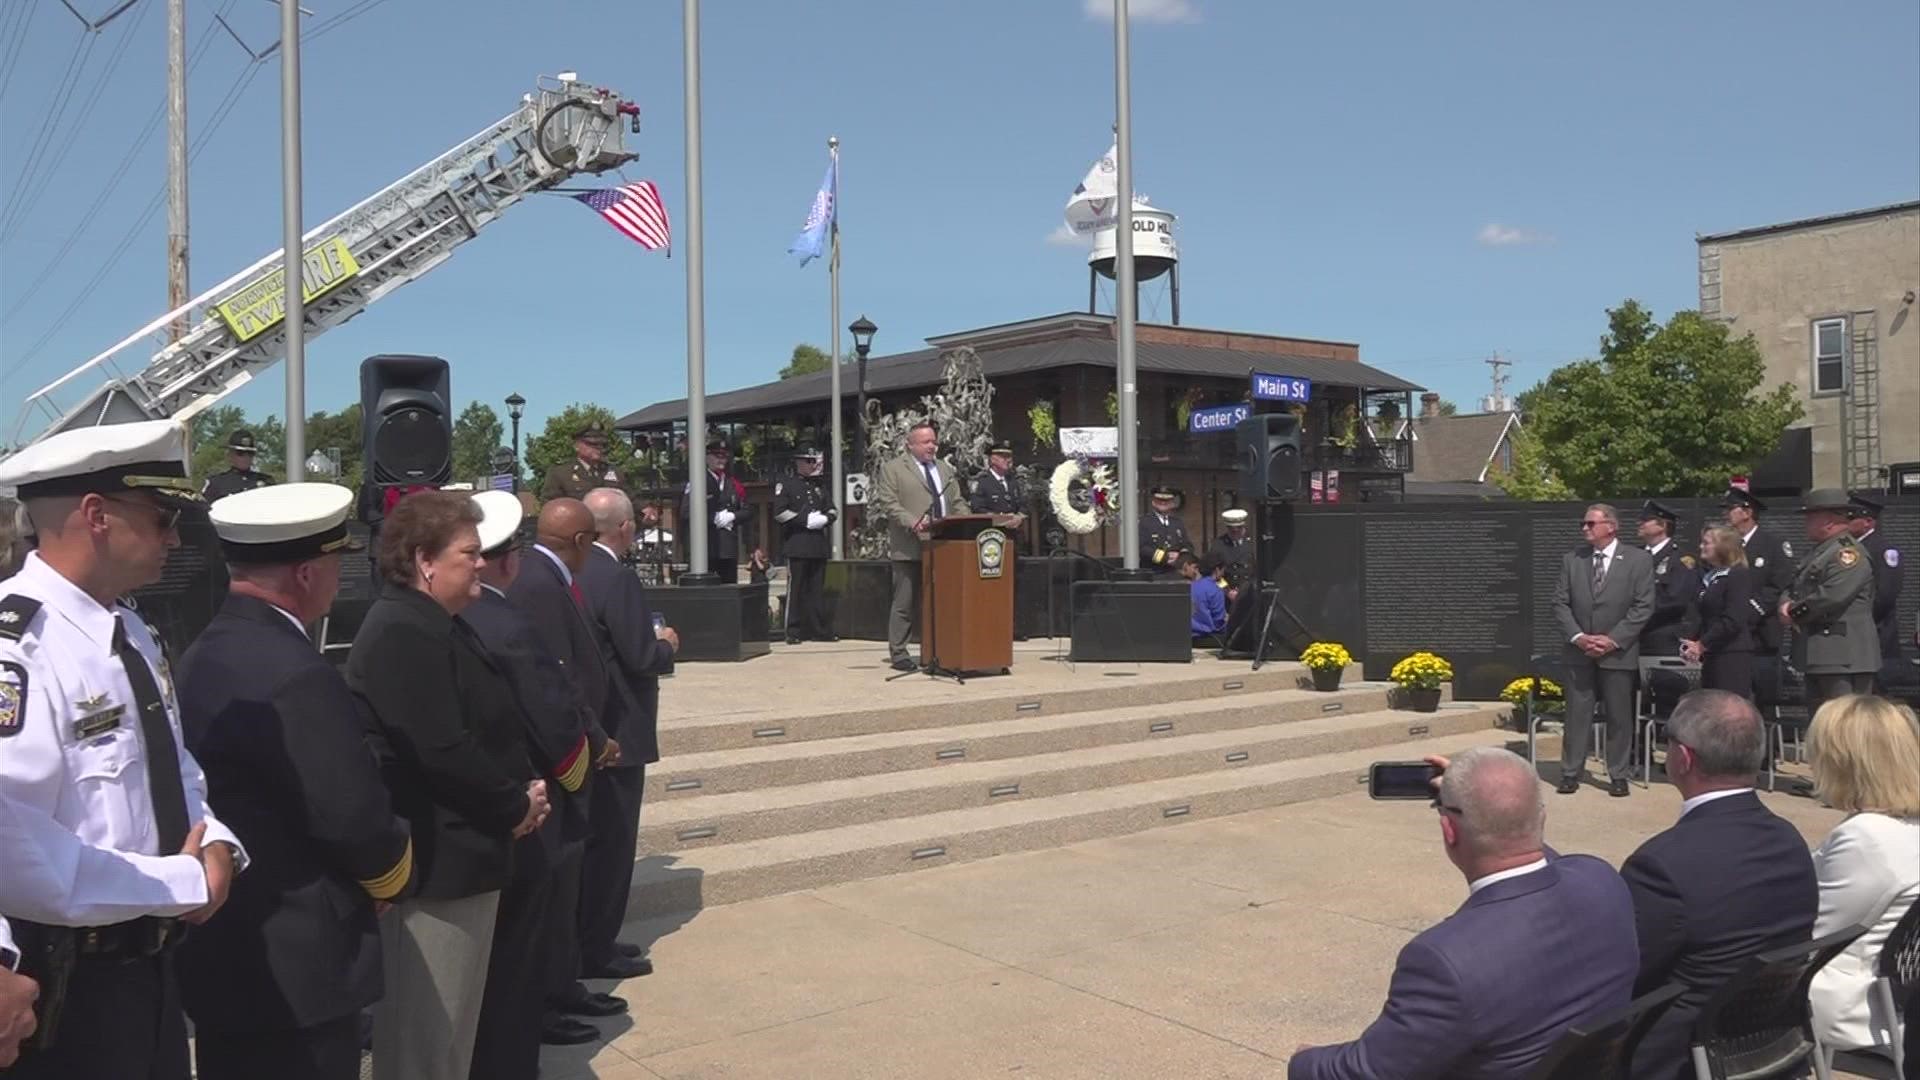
<point>500,517</point>
<point>149,456</point>
<point>285,523</point>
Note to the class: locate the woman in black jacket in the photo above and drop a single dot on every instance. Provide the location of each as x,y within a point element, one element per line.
<point>457,766</point>
<point>1721,637</point>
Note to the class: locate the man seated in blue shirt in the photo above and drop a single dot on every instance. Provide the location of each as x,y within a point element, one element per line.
<point>1209,593</point>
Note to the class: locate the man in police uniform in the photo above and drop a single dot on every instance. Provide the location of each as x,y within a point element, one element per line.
<point>275,985</point>
<point>1162,533</point>
<point>1676,581</point>
<point>91,750</point>
<point>1771,559</point>
<point>238,475</point>
<point>588,470</point>
<point>997,489</point>
<point>1864,523</point>
<point>1830,606</point>
<point>1232,550</point>
<point>726,513</point>
<point>804,511</point>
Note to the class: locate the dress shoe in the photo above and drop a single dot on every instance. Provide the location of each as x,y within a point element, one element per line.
<point>1617,787</point>
<point>591,1003</point>
<point>1569,784</point>
<point>621,967</point>
<point>628,948</point>
<point>566,1031</point>
<point>905,663</point>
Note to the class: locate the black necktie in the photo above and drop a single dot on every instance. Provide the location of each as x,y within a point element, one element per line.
<point>163,754</point>
<point>935,511</point>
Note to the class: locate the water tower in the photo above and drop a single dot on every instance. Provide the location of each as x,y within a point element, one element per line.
<point>1155,255</point>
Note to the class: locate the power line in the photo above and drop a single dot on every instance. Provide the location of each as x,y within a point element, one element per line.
<point>10,52</point>
<point>62,94</point>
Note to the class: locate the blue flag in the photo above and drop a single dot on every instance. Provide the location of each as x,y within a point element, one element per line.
<point>812,241</point>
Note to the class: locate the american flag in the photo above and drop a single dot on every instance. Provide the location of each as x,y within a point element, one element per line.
<point>634,209</point>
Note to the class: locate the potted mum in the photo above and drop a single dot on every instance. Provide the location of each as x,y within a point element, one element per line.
<point>1420,676</point>
<point>1549,700</point>
<point>1327,660</point>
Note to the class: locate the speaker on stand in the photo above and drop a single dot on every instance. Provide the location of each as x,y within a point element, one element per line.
<point>1268,447</point>
<point>406,430</point>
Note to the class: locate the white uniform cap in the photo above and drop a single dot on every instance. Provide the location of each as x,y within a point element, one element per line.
<point>149,456</point>
<point>500,517</point>
<point>286,523</point>
<point>1236,516</point>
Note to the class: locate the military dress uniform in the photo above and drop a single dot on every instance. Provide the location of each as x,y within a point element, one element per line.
<point>804,511</point>
<point>995,493</point>
<point>93,760</point>
<point>1162,536</point>
<point>1771,560</point>
<point>231,481</point>
<point>1886,590</point>
<point>575,480</point>
<point>726,509</point>
<point>1234,553</point>
<point>276,982</point>
<point>1831,604</point>
<point>1676,588</point>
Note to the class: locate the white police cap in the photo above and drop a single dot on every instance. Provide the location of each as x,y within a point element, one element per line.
<point>286,523</point>
<point>149,456</point>
<point>500,517</point>
<point>1235,516</point>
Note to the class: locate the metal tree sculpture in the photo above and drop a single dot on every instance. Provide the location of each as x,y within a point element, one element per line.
<point>961,413</point>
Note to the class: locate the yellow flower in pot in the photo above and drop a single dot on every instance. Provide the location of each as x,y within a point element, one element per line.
<point>1327,660</point>
<point>1421,676</point>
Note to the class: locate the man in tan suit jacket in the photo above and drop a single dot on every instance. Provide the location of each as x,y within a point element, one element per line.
<point>910,493</point>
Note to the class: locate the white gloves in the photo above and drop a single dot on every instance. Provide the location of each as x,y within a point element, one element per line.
<point>723,519</point>
<point>816,520</point>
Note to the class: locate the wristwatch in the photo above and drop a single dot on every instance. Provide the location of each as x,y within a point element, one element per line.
<point>9,958</point>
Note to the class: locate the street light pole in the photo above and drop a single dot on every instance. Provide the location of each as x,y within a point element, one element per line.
<point>515,406</point>
<point>862,330</point>
<point>1124,296</point>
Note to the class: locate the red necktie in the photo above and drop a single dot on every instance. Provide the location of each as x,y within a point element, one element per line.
<point>578,600</point>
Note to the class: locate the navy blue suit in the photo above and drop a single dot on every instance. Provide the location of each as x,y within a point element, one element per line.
<point>1484,994</point>
<point>635,659</point>
<point>1730,879</point>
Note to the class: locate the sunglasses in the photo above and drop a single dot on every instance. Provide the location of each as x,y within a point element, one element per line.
<point>165,518</point>
<point>1593,524</point>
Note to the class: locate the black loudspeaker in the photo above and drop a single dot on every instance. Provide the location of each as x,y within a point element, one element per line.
<point>1269,461</point>
<point>406,410</point>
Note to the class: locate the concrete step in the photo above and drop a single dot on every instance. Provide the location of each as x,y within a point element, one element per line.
<point>758,813</point>
<point>727,873</point>
<point>730,728</point>
<point>759,767</point>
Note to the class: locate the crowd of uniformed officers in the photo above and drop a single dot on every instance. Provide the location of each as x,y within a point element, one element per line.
<point>249,838</point>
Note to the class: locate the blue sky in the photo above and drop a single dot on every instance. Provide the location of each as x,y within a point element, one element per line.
<point>1433,181</point>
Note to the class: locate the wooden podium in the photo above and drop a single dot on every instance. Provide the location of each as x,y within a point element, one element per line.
<point>966,596</point>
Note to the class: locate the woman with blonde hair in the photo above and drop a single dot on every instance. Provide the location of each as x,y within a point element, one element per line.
<point>1866,761</point>
<point>1721,637</point>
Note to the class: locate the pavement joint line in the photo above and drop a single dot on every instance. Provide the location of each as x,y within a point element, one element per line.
<point>1130,1006</point>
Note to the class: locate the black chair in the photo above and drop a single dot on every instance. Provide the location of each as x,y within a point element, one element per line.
<point>1602,1048</point>
<point>1664,680</point>
<point>1758,1025</point>
<point>1553,669</point>
<point>1896,980</point>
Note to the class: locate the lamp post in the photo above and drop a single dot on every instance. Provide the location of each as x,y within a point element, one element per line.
<point>516,408</point>
<point>862,330</point>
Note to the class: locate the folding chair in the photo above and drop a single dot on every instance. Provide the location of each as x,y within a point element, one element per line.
<point>1654,670</point>
<point>1552,669</point>
<point>1602,1048</point>
<point>1896,974</point>
<point>1758,1025</point>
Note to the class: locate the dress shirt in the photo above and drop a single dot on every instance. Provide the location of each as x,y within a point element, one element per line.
<point>566,575</point>
<point>77,831</point>
<point>292,618</point>
<point>1703,799</point>
<point>931,472</point>
<point>1479,883</point>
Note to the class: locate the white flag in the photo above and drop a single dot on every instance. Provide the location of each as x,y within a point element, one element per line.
<point>1095,204</point>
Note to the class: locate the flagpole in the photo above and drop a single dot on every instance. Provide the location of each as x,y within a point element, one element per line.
<point>833,353</point>
<point>696,525</point>
<point>1124,298</point>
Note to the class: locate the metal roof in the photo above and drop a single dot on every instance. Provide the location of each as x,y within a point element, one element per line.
<point>923,369</point>
<point>1809,223</point>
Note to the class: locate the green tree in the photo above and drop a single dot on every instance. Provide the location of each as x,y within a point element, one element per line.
<point>806,360</point>
<point>1530,479</point>
<point>476,434</point>
<point>1448,408</point>
<point>554,445</point>
<point>1663,410</point>
<point>339,431</point>
<point>210,429</point>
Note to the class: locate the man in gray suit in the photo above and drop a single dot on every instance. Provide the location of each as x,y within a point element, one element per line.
<point>910,494</point>
<point>1602,600</point>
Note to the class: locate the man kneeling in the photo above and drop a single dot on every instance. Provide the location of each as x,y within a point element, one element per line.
<point>1543,942</point>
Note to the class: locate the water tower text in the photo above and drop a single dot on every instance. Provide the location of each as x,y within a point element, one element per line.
<point>1281,388</point>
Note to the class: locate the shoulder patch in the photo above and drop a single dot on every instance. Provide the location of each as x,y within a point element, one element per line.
<point>1848,556</point>
<point>1786,548</point>
<point>1893,556</point>
<point>1687,561</point>
<point>16,612</point>
<point>13,698</point>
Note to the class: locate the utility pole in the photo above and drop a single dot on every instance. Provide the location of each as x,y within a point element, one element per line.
<point>1498,401</point>
<point>177,281</point>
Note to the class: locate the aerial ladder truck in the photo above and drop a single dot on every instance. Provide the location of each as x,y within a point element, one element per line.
<point>237,329</point>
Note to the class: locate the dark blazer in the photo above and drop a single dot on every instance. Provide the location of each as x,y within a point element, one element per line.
<point>724,493</point>
<point>555,716</point>
<point>458,766</point>
<point>1676,588</point>
<point>1728,880</point>
<point>288,769</point>
<point>1773,569</point>
<point>1886,593</point>
<point>1484,994</point>
<point>1725,620</point>
<point>1620,610</point>
<point>623,626</point>
<point>559,622</point>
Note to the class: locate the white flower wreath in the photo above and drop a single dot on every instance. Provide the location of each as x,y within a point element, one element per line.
<point>1082,495</point>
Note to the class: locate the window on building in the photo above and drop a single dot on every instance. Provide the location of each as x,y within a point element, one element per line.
<point>1829,356</point>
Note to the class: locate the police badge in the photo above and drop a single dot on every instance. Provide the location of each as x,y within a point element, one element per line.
<point>13,698</point>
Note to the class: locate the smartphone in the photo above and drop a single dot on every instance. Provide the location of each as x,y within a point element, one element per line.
<point>1402,780</point>
<point>659,623</point>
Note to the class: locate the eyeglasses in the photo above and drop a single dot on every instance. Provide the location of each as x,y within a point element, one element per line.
<point>1594,524</point>
<point>166,518</point>
<point>1445,809</point>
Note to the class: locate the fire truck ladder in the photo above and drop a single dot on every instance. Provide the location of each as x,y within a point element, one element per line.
<point>561,130</point>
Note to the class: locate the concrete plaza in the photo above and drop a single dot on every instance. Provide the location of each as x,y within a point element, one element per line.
<point>1206,949</point>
